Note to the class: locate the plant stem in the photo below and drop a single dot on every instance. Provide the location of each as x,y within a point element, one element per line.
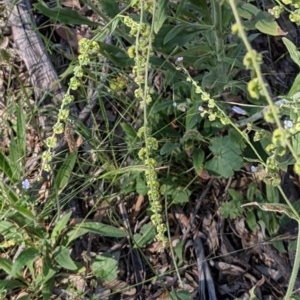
<point>295,270</point>
<point>217,32</point>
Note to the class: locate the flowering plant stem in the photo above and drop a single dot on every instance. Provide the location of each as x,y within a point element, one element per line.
<point>256,68</point>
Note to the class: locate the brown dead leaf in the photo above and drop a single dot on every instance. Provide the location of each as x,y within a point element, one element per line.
<point>71,4</point>
<point>70,35</point>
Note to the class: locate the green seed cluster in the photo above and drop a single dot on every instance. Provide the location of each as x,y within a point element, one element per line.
<point>294,14</point>
<point>211,109</point>
<point>87,48</point>
<point>141,52</point>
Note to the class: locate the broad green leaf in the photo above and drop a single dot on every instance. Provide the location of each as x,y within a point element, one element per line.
<point>178,249</point>
<point>265,23</point>
<point>168,148</point>
<point>21,133</point>
<point>25,258</point>
<point>63,258</point>
<point>160,15</point>
<point>60,225</point>
<point>105,268</point>
<point>180,196</point>
<point>251,220</point>
<point>272,193</point>
<point>63,175</point>
<point>146,235</point>
<point>11,284</point>
<point>294,53</point>
<point>110,7</point>
<point>63,15</point>
<point>227,157</point>
<point>95,227</point>
<point>247,10</point>
<point>198,160</point>
<point>129,131</point>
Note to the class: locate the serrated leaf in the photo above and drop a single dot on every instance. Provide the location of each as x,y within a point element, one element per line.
<point>227,157</point>
<point>25,258</point>
<point>180,196</point>
<point>63,258</point>
<point>63,175</point>
<point>63,15</point>
<point>160,15</point>
<point>95,227</point>
<point>294,53</point>
<point>105,268</point>
<point>146,235</point>
<point>198,160</point>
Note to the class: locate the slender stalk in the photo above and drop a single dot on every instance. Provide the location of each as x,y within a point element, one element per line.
<point>217,32</point>
<point>295,270</point>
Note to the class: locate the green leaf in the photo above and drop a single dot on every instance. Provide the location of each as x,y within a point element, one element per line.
<point>265,23</point>
<point>180,195</point>
<point>251,220</point>
<point>11,284</point>
<point>5,167</point>
<point>180,295</point>
<point>63,15</point>
<point>60,225</point>
<point>110,7</point>
<point>6,265</point>
<point>115,54</point>
<point>160,15</point>
<point>146,235</point>
<point>95,227</point>
<point>168,148</point>
<point>105,268</point>
<point>178,249</point>
<point>293,51</point>
<point>227,157</point>
<point>295,87</point>
<point>63,175</point>
<point>63,258</point>
<point>14,159</point>
<point>25,258</point>
<point>198,159</point>
<point>231,209</point>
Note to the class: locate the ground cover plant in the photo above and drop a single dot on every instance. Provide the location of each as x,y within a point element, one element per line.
<point>149,149</point>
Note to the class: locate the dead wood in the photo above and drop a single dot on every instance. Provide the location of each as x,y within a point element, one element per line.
<point>43,76</point>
